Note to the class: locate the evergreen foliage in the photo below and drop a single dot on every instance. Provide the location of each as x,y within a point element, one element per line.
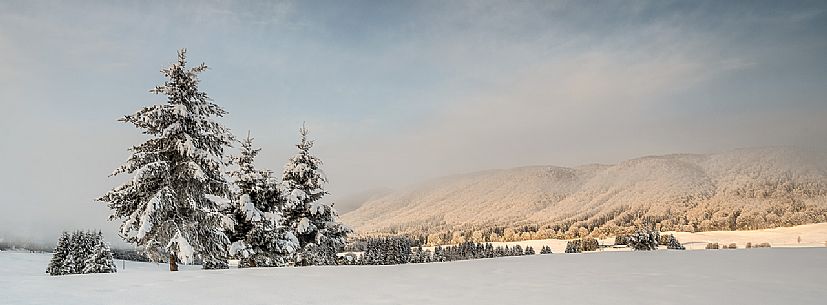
<point>545,250</point>
<point>398,250</point>
<point>166,207</point>
<point>574,246</point>
<point>580,245</point>
<point>81,252</point>
<point>60,254</point>
<point>671,242</point>
<point>315,224</point>
<point>644,239</point>
<point>258,235</point>
<point>620,240</point>
<point>388,251</point>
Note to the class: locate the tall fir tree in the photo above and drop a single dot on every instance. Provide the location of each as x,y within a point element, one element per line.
<point>166,207</point>
<point>258,236</point>
<point>315,224</point>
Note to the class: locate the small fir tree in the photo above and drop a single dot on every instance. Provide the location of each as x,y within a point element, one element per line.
<point>315,224</point>
<point>259,237</point>
<point>644,240</point>
<point>61,252</point>
<point>99,259</point>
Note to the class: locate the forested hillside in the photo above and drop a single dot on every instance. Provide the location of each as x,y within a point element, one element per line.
<point>741,189</point>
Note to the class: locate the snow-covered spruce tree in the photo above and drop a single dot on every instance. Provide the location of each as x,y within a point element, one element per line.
<point>61,252</point>
<point>315,224</point>
<point>643,239</point>
<point>574,246</point>
<point>166,206</point>
<point>99,260</point>
<point>672,243</point>
<point>258,237</point>
<point>81,252</point>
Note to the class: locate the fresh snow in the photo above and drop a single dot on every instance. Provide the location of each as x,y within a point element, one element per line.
<point>754,276</point>
<point>184,251</point>
<point>812,235</point>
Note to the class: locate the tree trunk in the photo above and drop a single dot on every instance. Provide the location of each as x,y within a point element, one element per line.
<point>173,263</point>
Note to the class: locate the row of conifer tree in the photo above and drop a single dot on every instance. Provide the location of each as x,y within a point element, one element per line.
<point>81,252</point>
<point>396,250</point>
<point>182,205</point>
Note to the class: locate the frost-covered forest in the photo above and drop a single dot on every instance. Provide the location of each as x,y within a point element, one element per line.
<point>738,190</point>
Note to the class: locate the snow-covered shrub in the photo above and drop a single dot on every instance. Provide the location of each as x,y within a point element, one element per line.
<point>529,250</point>
<point>517,251</point>
<point>590,244</point>
<point>644,240</point>
<point>671,242</point>
<point>763,245</point>
<point>574,246</point>
<point>620,240</point>
<point>81,252</point>
<point>712,246</point>
<point>580,245</point>
<point>545,250</point>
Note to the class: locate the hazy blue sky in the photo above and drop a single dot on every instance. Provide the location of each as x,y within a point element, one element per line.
<point>399,91</point>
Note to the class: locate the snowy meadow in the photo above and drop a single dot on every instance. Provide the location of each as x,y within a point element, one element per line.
<point>413,152</point>
<point>744,276</point>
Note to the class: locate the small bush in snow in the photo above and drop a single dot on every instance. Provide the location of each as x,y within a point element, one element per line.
<point>580,245</point>
<point>672,243</point>
<point>590,244</point>
<point>620,240</point>
<point>712,246</point>
<point>545,250</point>
<point>763,245</point>
<point>574,246</point>
<point>644,240</point>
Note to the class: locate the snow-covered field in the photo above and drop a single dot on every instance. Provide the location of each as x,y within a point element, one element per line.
<point>754,276</point>
<point>812,235</point>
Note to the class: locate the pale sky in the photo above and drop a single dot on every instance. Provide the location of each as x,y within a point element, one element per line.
<point>398,92</point>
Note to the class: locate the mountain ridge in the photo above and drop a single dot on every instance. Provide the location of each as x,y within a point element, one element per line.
<point>740,189</point>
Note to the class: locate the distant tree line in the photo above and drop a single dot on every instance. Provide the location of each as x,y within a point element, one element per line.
<point>129,255</point>
<point>394,250</point>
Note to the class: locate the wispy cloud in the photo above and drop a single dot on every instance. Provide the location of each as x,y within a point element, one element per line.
<point>399,92</point>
